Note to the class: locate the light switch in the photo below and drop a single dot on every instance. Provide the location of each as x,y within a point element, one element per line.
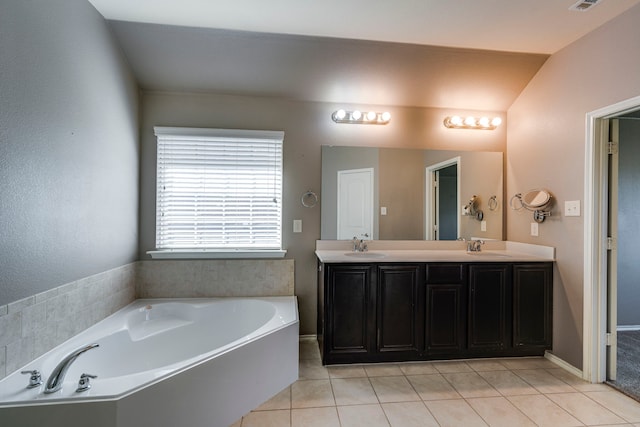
<point>534,228</point>
<point>297,226</point>
<point>572,208</point>
<point>383,210</point>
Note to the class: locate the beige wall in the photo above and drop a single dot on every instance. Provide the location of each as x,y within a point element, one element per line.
<point>546,148</point>
<point>307,127</point>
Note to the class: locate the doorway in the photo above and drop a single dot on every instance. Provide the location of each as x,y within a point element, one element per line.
<point>605,190</point>
<point>443,201</point>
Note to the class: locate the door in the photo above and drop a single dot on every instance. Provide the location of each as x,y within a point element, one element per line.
<point>489,298</point>
<point>442,210</point>
<point>355,204</point>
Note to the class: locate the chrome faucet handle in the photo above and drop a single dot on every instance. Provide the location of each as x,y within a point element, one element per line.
<point>35,380</point>
<point>83,383</point>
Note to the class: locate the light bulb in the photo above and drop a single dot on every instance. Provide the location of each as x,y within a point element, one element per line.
<point>470,121</point>
<point>497,121</point>
<point>484,122</point>
<point>341,114</point>
<point>386,116</point>
<point>456,120</point>
<point>356,115</point>
<point>371,115</point>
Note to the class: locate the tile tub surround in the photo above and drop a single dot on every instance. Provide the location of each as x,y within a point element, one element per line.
<point>485,392</point>
<point>34,325</point>
<point>215,278</point>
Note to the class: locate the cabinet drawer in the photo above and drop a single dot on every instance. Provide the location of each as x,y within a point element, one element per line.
<point>446,273</point>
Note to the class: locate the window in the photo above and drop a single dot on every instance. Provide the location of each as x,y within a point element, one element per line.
<point>218,190</point>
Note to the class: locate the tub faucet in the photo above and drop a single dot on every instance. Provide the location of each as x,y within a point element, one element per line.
<point>54,383</point>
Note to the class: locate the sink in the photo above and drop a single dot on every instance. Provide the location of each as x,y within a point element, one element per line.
<point>489,254</point>
<point>366,254</point>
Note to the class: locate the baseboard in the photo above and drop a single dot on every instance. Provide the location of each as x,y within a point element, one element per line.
<point>310,337</point>
<point>564,365</point>
<point>628,328</point>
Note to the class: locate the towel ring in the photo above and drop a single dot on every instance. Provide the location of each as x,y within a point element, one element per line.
<point>493,203</point>
<point>309,199</point>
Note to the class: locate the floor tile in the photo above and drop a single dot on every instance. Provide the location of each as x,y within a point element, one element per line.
<point>486,365</point>
<point>309,349</point>
<point>315,417</point>
<point>577,382</point>
<point>346,371</point>
<point>585,409</point>
<point>543,381</point>
<point>454,413</point>
<point>362,416</point>
<point>408,414</point>
<point>470,384</point>
<point>433,387</point>
<point>267,419</point>
<point>507,383</point>
<point>311,393</point>
<point>312,369</point>
<point>382,370</point>
<point>394,389</point>
<point>499,412</point>
<point>419,368</point>
<point>281,400</point>
<point>451,367</point>
<point>543,411</point>
<point>622,405</point>
<point>353,391</point>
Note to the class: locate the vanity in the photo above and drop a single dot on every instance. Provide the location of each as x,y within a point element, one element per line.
<point>426,300</point>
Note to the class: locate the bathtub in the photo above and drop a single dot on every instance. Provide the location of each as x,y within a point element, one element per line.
<point>159,362</point>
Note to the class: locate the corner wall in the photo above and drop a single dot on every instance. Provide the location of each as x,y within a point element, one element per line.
<point>546,148</point>
<point>69,147</point>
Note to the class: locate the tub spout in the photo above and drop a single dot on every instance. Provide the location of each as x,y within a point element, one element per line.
<point>54,383</point>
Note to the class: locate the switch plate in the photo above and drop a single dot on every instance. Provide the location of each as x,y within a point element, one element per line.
<point>297,226</point>
<point>572,208</point>
<point>383,210</point>
<point>534,228</point>
<point>483,225</point>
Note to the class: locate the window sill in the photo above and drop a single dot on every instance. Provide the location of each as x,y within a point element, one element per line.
<point>216,254</point>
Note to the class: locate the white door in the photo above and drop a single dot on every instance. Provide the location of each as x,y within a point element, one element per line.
<point>612,254</point>
<point>355,204</point>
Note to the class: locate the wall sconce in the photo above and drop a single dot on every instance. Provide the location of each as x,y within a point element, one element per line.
<point>470,122</point>
<point>358,117</point>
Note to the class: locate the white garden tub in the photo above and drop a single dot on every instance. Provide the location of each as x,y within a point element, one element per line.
<point>190,362</point>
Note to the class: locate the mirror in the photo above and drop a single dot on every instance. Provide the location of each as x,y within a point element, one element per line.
<point>537,201</point>
<point>410,194</point>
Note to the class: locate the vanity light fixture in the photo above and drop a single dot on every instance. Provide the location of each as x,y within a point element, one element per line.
<point>358,117</point>
<point>470,122</point>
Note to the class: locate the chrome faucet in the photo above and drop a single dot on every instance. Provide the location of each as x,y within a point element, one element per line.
<point>360,245</point>
<point>54,383</point>
<point>474,245</point>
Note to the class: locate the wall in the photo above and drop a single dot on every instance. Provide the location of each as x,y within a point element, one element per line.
<point>68,147</point>
<point>307,127</point>
<point>546,148</point>
<point>628,217</point>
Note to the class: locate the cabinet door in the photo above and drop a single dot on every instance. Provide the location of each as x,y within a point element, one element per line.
<point>489,307</point>
<point>350,310</point>
<point>399,322</point>
<point>446,301</point>
<point>532,288</point>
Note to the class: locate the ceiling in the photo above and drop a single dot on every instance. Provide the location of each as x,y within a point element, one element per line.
<point>475,55</point>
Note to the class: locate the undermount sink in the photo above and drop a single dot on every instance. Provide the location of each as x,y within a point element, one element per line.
<point>489,254</point>
<point>366,254</point>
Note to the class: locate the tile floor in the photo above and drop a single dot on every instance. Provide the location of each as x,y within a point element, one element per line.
<point>494,392</point>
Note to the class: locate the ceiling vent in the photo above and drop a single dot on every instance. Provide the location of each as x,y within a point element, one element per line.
<point>584,5</point>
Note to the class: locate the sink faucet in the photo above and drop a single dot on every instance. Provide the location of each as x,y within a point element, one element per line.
<point>54,383</point>
<point>360,245</point>
<point>474,245</point>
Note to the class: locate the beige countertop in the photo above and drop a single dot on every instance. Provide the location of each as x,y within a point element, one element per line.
<point>409,251</point>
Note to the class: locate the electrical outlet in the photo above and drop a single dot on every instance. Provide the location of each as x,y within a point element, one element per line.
<point>383,210</point>
<point>534,229</point>
<point>297,226</point>
<point>572,208</point>
<point>483,225</point>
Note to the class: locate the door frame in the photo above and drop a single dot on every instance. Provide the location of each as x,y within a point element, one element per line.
<point>594,360</point>
<point>429,215</point>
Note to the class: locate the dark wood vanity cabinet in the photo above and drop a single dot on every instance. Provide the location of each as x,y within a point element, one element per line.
<point>421,311</point>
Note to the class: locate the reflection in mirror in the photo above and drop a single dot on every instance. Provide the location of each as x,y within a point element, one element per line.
<point>397,197</point>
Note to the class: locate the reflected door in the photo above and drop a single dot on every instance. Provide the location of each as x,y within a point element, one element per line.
<point>355,204</point>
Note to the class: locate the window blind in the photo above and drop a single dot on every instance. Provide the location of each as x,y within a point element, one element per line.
<point>218,189</point>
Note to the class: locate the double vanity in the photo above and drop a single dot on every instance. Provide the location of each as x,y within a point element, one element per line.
<point>425,300</point>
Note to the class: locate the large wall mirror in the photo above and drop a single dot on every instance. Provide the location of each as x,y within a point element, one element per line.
<point>409,194</point>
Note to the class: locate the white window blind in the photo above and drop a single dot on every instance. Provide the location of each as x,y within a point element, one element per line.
<point>218,189</point>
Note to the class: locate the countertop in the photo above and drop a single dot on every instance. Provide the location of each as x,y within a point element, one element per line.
<point>495,251</point>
